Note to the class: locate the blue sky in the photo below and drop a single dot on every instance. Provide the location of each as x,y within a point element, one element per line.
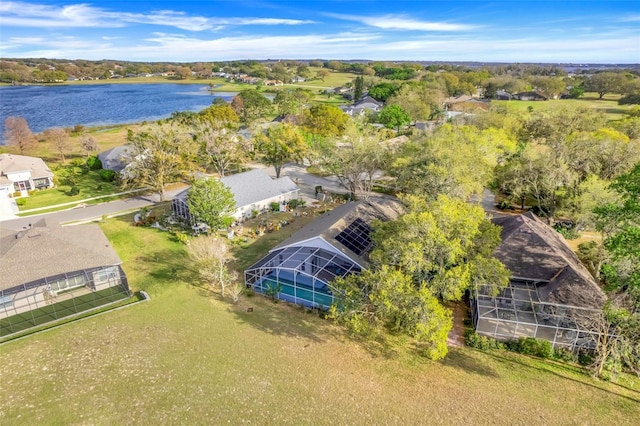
<point>213,30</point>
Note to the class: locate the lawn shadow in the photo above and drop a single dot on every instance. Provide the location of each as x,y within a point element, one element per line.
<point>283,319</point>
<point>557,369</point>
<point>461,358</point>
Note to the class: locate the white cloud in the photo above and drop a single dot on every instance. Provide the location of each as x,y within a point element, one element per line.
<point>22,14</point>
<point>630,18</point>
<point>399,22</point>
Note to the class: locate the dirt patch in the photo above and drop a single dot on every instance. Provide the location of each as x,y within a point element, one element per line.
<point>456,335</point>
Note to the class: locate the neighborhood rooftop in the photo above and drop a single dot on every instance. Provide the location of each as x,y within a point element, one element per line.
<point>55,250</point>
<point>331,224</point>
<point>12,163</point>
<point>534,251</point>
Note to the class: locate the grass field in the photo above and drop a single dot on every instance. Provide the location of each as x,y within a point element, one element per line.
<point>187,357</point>
<point>608,105</point>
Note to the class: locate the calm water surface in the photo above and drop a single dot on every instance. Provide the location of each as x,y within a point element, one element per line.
<point>101,105</point>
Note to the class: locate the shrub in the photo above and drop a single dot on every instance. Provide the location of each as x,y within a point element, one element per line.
<point>107,175</point>
<point>484,343</point>
<point>21,202</point>
<point>504,205</point>
<point>73,191</point>
<point>585,358</point>
<point>275,207</point>
<point>94,163</point>
<point>532,346</point>
<point>629,100</point>
<point>565,355</point>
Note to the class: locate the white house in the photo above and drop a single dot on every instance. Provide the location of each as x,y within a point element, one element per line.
<point>252,191</point>
<point>19,173</point>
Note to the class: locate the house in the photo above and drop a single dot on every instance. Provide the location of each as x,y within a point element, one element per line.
<point>300,269</point>
<point>273,83</point>
<point>366,103</point>
<point>529,96</point>
<point>20,173</point>
<point>50,272</point>
<point>252,191</point>
<point>297,79</point>
<point>115,159</point>
<point>550,292</point>
<point>464,102</point>
<point>502,95</point>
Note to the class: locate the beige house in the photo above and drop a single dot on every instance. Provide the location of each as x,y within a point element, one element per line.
<point>21,174</point>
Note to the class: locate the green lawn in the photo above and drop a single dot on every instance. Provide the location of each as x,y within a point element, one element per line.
<point>608,105</point>
<point>187,357</point>
<point>90,185</point>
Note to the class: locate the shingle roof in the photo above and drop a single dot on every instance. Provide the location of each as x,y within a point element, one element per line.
<point>21,163</point>
<point>115,158</point>
<point>256,185</point>
<point>49,250</point>
<point>532,250</point>
<point>330,224</point>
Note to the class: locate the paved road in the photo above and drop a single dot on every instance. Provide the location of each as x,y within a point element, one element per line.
<point>90,212</point>
<point>297,173</point>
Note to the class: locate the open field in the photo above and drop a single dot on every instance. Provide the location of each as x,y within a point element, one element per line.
<point>608,105</point>
<point>187,357</point>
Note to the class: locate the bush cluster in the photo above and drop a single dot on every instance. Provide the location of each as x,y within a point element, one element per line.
<point>484,343</point>
<point>532,346</point>
<point>94,163</point>
<point>107,175</point>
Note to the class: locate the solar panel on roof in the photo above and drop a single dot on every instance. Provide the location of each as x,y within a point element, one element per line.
<point>356,237</point>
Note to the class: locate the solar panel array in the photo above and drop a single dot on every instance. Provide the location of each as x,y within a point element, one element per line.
<point>356,237</point>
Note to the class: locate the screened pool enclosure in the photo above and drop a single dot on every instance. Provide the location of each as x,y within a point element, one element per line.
<point>518,311</point>
<point>300,275</point>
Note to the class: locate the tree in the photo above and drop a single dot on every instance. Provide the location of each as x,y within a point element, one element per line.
<point>221,147</point>
<point>281,144</point>
<point>358,88</point>
<point>386,299</point>
<point>383,91</point>
<point>250,105</point>
<point>59,138</point>
<point>18,134</point>
<point>605,82</point>
<point>325,120</point>
<point>88,144</point>
<point>620,223</point>
<point>210,256</point>
<point>160,154</point>
<point>219,114</point>
<point>394,117</point>
<point>211,202</point>
<point>446,244</point>
<point>356,159</point>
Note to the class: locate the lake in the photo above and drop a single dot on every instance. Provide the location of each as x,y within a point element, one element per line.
<point>101,105</point>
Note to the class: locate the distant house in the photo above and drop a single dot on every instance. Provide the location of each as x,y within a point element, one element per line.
<point>273,83</point>
<point>20,173</point>
<point>297,79</point>
<point>464,102</point>
<point>529,96</point>
<point>252,191</point>
<point>502,95</point>
<point>72,269</point>
<point>550,292</point>
<point>366,103</point>
<point>300,269</point>
<point>115,159</point>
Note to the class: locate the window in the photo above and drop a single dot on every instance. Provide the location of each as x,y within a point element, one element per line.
<point>6,302</point>
<point>105,274</point>
<point>41,183</point>
<point>67,284</point>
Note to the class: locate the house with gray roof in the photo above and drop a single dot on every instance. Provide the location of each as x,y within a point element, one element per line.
<point>300,269</point>
<point>366,103</point>
<point>252,191</point>
<point>116,158</point>
<point>550,291</point>
<point>21,173</point>
<point>49,272</point>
